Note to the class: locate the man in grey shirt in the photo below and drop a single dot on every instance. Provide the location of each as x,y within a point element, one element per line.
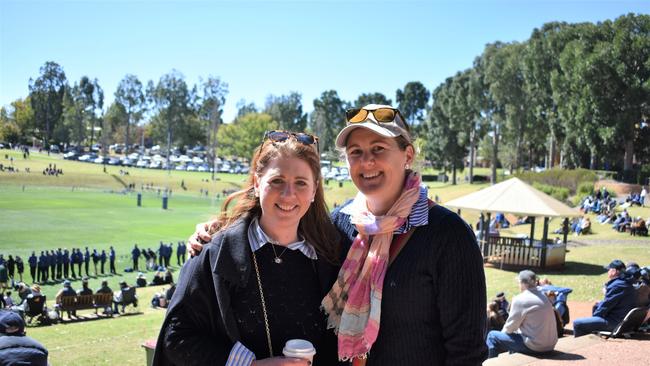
<point>531,326</point>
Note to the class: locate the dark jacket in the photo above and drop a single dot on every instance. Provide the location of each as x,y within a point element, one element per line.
<point>200,327</point>
<point>619,300</point>
<point>434,296</point>
<point>21,350</point>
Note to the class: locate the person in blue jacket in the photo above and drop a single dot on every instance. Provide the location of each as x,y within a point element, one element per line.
<point>619,300</point>
<point>32,265</point>
<point>135,255</point>
<point>42,267</point>
<point>111,259</point>
<point>15,347</point>
<point>86,261</point>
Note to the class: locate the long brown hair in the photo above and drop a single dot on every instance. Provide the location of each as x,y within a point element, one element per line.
<point>315,226</point>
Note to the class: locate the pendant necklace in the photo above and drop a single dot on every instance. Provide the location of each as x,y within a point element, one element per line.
<point>277,258</point>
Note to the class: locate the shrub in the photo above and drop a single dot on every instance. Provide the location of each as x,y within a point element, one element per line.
<point>559,193</point>
<point>585,189</point>
<point>562,178</point>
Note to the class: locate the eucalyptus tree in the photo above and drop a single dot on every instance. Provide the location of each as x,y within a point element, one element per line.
<point>211,103</point>
<point>372,98</point>
<point>92,96</point>
<point>172,106</point>
<point>412,102</point>
<point>244,108</point>
<point>327,119</point>
<point>287,111</point>
<point>46,96</point>
<point>130,95</point>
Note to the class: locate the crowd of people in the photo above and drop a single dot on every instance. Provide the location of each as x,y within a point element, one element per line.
<point>536,318</point>
<point>52,170</point>
<point>161,257</point>
<point>604,206</point>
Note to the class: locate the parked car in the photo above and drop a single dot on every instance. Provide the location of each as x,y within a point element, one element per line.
<point>127,162</point>
<point>114,161</point>
<point>191,168</point>
<point>71,155</point>
<point>155,164</point>
<point>180,167</point>
<point>101,160</point>
<point>142,163</point>
<point>55,149</point>
<point>203,168</point>
<point>332,173</point>
<point>87,157</point>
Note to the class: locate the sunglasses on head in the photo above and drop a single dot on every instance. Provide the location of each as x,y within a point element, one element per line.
<point>382,115</point>
<point>281,136</point>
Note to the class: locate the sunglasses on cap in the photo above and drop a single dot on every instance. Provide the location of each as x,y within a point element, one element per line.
<point>281,136</point>
<point>382,115</point>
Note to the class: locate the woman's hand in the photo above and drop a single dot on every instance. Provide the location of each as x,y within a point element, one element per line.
<point>200,237</point>
<point>281,361</point>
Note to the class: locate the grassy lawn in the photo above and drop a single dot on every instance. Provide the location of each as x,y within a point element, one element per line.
<point>43,212</point>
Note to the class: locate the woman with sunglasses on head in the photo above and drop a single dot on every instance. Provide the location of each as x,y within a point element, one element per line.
<point>412,288</point>
<point>261,279</point>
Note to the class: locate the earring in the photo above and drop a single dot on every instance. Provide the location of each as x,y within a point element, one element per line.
<point>407,166</point>
<point>312,199</point>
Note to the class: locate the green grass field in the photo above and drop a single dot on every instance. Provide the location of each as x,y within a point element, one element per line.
<point>43,212</point>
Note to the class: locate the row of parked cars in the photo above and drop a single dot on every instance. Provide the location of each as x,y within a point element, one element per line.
<point>337,173</point>
<point>176,162</point>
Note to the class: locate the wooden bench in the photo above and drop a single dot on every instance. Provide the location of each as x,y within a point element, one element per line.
<point>83,302</point>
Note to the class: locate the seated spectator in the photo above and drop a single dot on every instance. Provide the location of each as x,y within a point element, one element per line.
<point>9,302</point>
<point>141,280</point>
<point>585,226</point>
<point>168,278</point>
<point>619,300</point>
<point>23,291</point>
<point>641,277</point>
<point>170,292</point>
<point>84,290</point>
<point>495,319</point>
<point>23,307</point>
<point>638,227</point>
<point>65,291</point>
<point>15,347</point>
<point>504,306</point>
<point>104,289</point>
<point>531,326</point>
<point>158,277</point>
<point>121,297</point>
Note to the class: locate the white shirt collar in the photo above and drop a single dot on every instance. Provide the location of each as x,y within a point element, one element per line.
<point>258,238</point>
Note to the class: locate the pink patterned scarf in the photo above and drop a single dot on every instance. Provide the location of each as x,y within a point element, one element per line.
<point>353,305</point>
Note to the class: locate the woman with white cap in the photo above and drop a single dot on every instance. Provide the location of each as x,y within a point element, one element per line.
<point>412,288</point>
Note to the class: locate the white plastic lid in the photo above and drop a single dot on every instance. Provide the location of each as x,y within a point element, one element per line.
<point>299,346</point>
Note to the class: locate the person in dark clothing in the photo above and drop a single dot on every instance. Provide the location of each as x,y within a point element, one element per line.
<point>78,259</point>
<point>51,260</point>
<point>95,257</point>
<point>86,261</point>
<point>180,253</point>
<point>281,208</point>
<point>111,260</point>
<point>58,257</point>
<point>619,300</point>
<point>135,255</point>
<point>65,291</point>
<point>66,263</point>
<point>42,268</point>
<point>104,289</point>
<point>15,347</point>
<point>20,267</point>
<point>102,259</point>
<point>11,266</point>
<point>33,261</point>
<point>84,290</point>
<point>161,254</point>
<point>429,306</point>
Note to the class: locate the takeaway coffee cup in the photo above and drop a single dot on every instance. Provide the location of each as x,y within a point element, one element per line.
<point>299,348</point>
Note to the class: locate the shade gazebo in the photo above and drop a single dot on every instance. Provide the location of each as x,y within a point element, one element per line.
<point>515,197</point>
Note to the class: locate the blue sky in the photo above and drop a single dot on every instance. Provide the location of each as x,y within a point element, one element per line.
<point>271,47</point>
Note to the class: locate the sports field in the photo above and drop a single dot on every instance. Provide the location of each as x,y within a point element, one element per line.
<point>88,207</point>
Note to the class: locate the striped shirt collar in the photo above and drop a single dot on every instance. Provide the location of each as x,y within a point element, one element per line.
<point>419,215</point>
<point>258,238</point>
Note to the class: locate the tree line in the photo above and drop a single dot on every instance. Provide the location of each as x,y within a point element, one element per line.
<point>572,95</point>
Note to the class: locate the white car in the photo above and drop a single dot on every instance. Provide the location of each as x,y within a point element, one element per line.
<point>155,164</point>
<point>332,173</point>
<point>87,157</point>
<point>142,163</point>
<point>197,160</point>
<point>180,167</point>
<point>191,167</point>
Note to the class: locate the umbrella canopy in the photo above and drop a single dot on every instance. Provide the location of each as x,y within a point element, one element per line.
<point>516,197</point>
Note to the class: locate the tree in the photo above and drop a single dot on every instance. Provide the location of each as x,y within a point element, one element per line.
<point>172,101</point>
<point>412,102</point>
<point>92,96</point>
<point>241,137</point>
<point>9,130</point>
<point>46,96</point>
<point>244,108</point>
<point>210,110</point>
<point>327,119</point>
<point>287,111</point>
<point>130,96</point>
<point>372,98</point>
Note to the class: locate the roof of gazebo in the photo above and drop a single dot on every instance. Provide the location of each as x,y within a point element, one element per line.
<point>516,197</point>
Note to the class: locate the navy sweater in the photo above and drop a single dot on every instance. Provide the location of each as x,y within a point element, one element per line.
<point>434,296</point>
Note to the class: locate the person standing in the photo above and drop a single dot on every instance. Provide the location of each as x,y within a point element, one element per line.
<point>11,267</point>
<point>33,261</point>
<point>42,268</point>
<point>102,259</point>
<point>59,264</point>
<point>73,261</point>
<point>619,300</point>
<point>52,261</point>
<point>531,326</point>
<point>20,267</point>
<point>642,196</point>
<point>180,253</point>
<point>86,262</point>
<point>95,257</point>
<point>79,260</point>
<point>135,255</point>
<point>111,260</point>
<point>66,263</point>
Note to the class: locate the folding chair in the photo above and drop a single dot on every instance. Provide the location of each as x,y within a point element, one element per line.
<point>629,325</point>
